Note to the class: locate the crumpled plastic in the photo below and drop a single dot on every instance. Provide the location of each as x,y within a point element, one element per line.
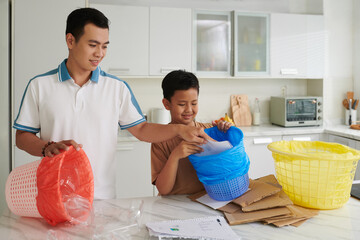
<point>108,221</point>
<point>65,185</point>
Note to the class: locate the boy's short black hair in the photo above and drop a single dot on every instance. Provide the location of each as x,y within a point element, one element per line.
<point>178,80</point>
<point>78,18</point>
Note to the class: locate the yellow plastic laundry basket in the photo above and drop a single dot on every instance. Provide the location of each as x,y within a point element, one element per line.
<point>315,174</point>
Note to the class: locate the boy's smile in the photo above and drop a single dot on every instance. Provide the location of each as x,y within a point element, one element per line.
<point>183,106</point>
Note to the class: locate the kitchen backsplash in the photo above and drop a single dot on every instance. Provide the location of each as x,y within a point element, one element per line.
<point>214,98</point>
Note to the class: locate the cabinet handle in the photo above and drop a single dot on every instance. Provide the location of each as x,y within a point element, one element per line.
<point>168,69</point>
<point>288,71</point>
<point>125,147</point>
<point>302,138</point>
<point>262,140</point>
<point>115,71</point>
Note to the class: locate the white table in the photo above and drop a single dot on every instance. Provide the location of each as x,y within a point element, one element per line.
<point>342,223</point>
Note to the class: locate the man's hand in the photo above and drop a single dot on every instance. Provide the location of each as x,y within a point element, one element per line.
<point>194,134</point>
<point>55,148</point>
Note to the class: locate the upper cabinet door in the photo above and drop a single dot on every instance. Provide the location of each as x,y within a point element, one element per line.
<point>212,43</point>
<point>170,40</point>
<point>297,46</point>
<point>128,51</point>
<point>251,44</point>
<point>316,42</point>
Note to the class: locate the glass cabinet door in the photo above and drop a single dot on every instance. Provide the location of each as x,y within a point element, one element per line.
<point>212,43</point>
<point>251,44</point>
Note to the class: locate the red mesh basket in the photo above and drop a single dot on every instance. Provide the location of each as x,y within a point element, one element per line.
<point>37,189</point>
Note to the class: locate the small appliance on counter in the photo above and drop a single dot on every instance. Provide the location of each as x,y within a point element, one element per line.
<point>296,111</point>
<point>160,115</point>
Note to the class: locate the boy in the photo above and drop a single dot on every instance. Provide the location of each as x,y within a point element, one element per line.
<point>78,104</point>
<point>171,170</point>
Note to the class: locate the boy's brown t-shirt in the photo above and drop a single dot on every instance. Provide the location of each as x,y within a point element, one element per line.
<point>186,181</point>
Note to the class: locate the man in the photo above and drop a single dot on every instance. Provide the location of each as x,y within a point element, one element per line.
<point>78,104</point>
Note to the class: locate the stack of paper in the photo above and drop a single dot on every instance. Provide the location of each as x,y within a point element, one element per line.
<point>212,227</point>
<point>264,201</point>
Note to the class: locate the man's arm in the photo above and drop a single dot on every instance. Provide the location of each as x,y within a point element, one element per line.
<point>152,132</point>
<point>33,145</point>
<point>29,142</point>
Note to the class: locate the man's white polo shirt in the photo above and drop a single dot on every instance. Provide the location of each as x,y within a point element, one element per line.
<point>59,109</point>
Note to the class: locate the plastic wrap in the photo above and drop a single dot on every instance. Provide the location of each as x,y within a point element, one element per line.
<point>109,221</point>
<point>65,187</point>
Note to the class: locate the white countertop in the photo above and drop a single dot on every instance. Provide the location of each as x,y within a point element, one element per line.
<point>274,130</point>
<point>344,131</point>
<point>109,223</point>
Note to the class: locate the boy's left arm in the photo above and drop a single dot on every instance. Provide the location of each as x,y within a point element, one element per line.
<point>166,177</point>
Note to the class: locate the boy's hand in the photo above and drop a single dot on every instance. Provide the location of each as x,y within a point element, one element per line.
<point>184,149</point>
<point>222,125</point>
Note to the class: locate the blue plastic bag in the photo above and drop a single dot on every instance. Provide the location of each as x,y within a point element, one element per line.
<point>226,165</point>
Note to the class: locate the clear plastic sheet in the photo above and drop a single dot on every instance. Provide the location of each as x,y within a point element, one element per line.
<point>77,207</point>
<point>106,221</point>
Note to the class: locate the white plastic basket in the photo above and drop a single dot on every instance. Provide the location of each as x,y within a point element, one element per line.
<point>21,190</point>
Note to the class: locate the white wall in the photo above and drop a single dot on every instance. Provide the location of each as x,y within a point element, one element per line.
<point>214,98</point>
<point>4,101</point>
<point>356,46</point>
<point>338,17</point>
<point>284,6</point>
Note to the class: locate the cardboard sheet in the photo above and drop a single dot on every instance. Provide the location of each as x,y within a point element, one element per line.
<point>265,201</point>
<point>298,216</point>
<point>230,208</point>
<point>270,179</point>
<point>259,190</point>
<point>298,223</point>
<point>288,222</point>
<point>194,196</point>
<point>279,199</point>
<point>240,217</point>
<point>298,211</point>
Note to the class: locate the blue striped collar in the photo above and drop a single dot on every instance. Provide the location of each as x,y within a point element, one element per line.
<point>64,73</point>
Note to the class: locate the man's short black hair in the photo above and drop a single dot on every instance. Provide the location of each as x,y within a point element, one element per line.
<point>178,80</point>
<point>78,18</point>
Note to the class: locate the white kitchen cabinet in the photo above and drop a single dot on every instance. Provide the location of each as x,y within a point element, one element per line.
<point>357,173</point>
<point>170,40</point>
<point>348,142</point>
<point>133,171</point>
<point>251,44</point>
<point>302,137</point>
<point>38,46</point>
<point>297,48</point>
<point>128,51</point>
<point>342,140</point>
<point>261,160</point>
<point>212,43</point>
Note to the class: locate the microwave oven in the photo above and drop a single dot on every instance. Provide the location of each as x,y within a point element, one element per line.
<point>296,111</point>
